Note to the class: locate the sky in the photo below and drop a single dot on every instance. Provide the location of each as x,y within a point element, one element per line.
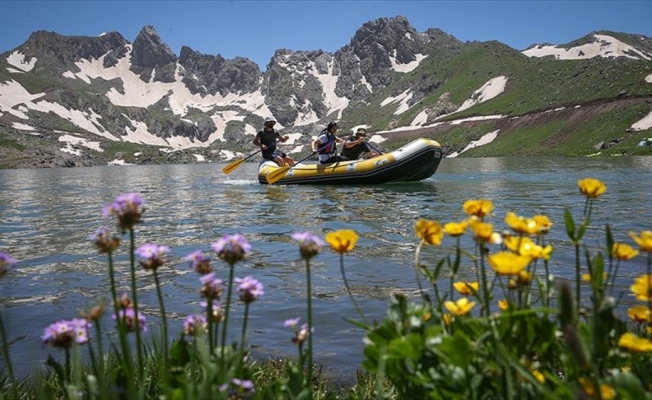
<point>255,29</point>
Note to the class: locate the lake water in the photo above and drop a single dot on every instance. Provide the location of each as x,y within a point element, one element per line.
<point>47,215</point>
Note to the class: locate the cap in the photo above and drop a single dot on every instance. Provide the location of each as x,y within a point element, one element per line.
<point>270,119</point>
<point>361,131</point>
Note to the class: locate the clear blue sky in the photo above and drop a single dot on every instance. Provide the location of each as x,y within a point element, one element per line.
<point>255,29</point>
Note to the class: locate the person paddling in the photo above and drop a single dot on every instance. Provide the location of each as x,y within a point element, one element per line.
<point>326,145</point>
<point>356,145</point>
<point>267,139</point>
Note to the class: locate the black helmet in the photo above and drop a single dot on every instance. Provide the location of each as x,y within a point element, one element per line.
<point>330,125</point>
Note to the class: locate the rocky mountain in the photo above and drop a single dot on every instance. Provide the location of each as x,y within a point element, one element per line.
<point>92,100</point>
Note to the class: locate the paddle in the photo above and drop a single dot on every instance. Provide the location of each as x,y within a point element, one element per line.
<point>234,165</point>
<point>281,172</point>
<point>373,148</point>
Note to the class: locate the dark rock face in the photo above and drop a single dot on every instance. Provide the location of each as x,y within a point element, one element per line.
<point>54,51</point>
<point>150,53</point>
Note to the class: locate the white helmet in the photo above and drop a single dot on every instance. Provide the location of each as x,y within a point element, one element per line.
<point>270,119</point>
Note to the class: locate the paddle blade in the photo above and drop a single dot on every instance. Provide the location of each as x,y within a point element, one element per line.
<point>232,167</point>
<point>277,174</point>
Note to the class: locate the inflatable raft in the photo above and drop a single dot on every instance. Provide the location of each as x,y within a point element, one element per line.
<point>415,161</point>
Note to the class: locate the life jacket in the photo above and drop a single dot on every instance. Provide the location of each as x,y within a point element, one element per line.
<point>330,146</point>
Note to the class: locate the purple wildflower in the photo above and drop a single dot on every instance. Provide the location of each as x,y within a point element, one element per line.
<point>242,388</point>
<point>128,315</point>
<point>194,324</point>
<point>152,255</point>
<point>301,335</point>
<point>66,333</point>
<point>250,289</point>
<point>309,244</point>
<point>6,262</point>
<point>292,322</point>
<point>212,287</point>
<point>104,241</point>
<point>231,248</point>
<point>217,310</point>
<point>199,262</point>
<point>127,207</point>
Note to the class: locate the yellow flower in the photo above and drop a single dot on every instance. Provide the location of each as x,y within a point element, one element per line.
<point>482,231</point>
<point>634,343</point>
<point>503,304</point>
<point>342,241</point>
<point>524,246</point>
<point>642,288</point>
<point>465,287</point>
<point>639,313</point>
<point>455,229</point>
<point>543,222</point>
<point>479,208</point>
<point>522,225</point>
<point>624,251</point>
<point>538,376</point>
<point>429,231</point>
<point>606,391</point>
<point>447,318</point>
<point>644,242</point>
<point>524,278</point>
<point>591,188</point>
<point>506,263</point>
<point>460,307</point>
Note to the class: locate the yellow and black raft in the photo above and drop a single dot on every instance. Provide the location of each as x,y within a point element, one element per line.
<point>415,161</point>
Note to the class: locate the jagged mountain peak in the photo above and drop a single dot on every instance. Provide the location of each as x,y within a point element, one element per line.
<point>149,54</point>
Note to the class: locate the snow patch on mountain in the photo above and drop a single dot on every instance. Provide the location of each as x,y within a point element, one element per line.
<point>328,83</point>
<point>488,91</point>
<point>71,141</point>
<point>643,124</point>
<point>648,78</point>
<point>409,66</point>
<point>485,139</point>
<point>18,60</point>
<point>605,46</point>
<point>402,99</point>
<point>12,94</point>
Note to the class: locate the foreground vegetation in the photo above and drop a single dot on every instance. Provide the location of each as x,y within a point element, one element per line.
<point>513,332</point>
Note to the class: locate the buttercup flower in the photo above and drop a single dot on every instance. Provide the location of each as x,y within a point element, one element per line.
<point>447,318</point>
<point>152,255</point>
<point>478,208</point>
<point>466,288</point>
<point>642,288</point>
<point>460,307</point>
<point>591,188</point>
<point>624,251</point>
<point>484,232</point>
<point>342,241</point>
<point>212,287</point>
<point>639,313</point>
<point>503,304</point>
<point>6,262</point>
<point>429,231</point>
<point>231,248</point>
<point>634,343</point>
<point>199,262</point>
<point>193,324</point>
<point>456,229</point>
<point>506,263</point>
<point>543,222</point>
<point>309,244</point>
<point>644,241</point>
<point>521,225</point>
<point>127,207</point>
<point>104,241</point>
<point>606,391</point>
<point>249,288</point>
<point>524,246</point>
<point>128,315</point>
<point>66,333</point>
<point>588,278</point>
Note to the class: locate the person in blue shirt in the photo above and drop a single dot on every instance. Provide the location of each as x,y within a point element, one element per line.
<point>267,138</point>
<point>326,145</point>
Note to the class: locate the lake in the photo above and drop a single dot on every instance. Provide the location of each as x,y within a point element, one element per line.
<point>47,215</point>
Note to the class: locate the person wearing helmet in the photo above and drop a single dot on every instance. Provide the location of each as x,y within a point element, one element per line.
<point>356,145</point>
<point>326,145</point>
<point>267,138</point>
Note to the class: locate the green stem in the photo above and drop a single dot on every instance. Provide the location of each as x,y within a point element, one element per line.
<point>122,330</point>
<point>485,286</point>
<point>417,269</point>
<point>209,319</point>
<point>134,296</point>
<point>348,290</point>
<point>649,274</point>
<point>243,336</point>
<point>309,299</point>
<point>5,350</point>
<point>577,277</point>
<point>163,316</point>
<point>226,313</point>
